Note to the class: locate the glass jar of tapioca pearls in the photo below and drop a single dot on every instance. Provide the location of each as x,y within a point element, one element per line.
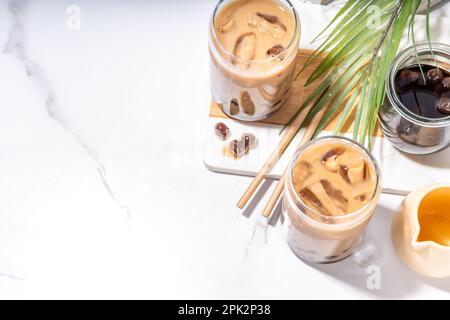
<point>405,129</point>
<point>253,46</point>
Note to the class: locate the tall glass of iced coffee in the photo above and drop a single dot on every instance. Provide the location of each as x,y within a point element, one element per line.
<point>329,197</point>
<point>253,46</point>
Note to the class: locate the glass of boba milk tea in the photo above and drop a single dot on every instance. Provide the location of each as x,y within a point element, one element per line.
<point>253,46</point>
<point>329,198</point>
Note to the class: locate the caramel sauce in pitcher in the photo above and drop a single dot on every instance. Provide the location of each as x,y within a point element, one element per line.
<point>434,217</point>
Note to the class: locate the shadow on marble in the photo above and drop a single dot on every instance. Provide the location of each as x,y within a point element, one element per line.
<point>442,284</point>
<point>395,281</point>
<point>276,214</point>
<point>253,204</point>
<point>434,160</point>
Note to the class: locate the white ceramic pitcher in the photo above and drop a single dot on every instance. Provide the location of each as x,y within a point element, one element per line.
<point>426,257</point>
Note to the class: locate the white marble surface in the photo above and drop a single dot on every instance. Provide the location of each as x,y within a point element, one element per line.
<point>103,190</point>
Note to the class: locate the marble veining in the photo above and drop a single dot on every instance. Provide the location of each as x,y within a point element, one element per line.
<point>11,276</point>
<point>258,238</point>
<point>15,46</point>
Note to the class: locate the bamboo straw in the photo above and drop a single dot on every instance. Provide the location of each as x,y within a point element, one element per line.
<point>274,157</point>
<point>279,188</point>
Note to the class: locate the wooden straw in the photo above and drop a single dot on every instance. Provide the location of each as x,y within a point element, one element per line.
<point>280,186</point>
<point>275,156</point>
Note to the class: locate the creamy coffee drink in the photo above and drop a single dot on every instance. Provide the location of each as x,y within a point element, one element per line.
<point>333,178</point>
<point>253,46</point>
<point>329,198</point>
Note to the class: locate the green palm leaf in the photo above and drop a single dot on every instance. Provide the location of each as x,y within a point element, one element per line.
<point>346,112</point>
<point>346,33</point>
<point>356,58</point>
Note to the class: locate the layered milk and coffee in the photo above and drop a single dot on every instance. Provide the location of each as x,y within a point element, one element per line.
<point>253,46</point>
<point>329,198</point>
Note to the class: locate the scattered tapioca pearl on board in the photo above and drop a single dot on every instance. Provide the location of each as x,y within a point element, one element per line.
<point>222,131</point>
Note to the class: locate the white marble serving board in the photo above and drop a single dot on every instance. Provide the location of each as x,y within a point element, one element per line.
<point>399,170</point>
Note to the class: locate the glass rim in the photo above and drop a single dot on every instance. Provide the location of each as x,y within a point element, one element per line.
<point>350,215</point>
<point>292,41</point>
<point>438,49</point>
